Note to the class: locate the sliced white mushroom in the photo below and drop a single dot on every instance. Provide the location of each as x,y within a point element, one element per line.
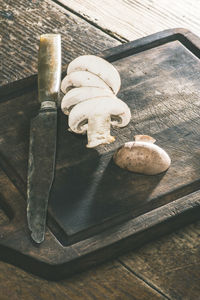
<point>98,66</point>
<point>142,156</point>
<point>80,79</point>
<point>95,117</point>
<point>77,95</point>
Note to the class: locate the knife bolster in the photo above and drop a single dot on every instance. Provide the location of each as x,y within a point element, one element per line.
<point>48,104</point>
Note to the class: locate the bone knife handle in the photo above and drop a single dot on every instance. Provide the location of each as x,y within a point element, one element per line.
<point>49,67</point>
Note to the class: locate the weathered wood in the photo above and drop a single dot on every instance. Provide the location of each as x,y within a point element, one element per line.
<point>172,263</point>
<point>111,281</point>
<point>159,265</point>
<point>53,261</point>
<point>15,283</point>
<point>153,81</point>
<point>3,217</point>
<point>151,86</point>
<point>23,21</point>
<point>132,19</point>
<point>168,84</point>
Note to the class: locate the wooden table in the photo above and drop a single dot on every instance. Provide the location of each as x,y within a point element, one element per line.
<point>167,268</point>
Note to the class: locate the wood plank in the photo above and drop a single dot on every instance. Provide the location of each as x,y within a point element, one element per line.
<point>171,263</point>
<point>175,132</point>
<point>22,291</point>
<point>160,75</point>
<point>53,261</point>
<point>132,19</point>
<point>23,21</point>
<point>153,82</point>
<point>111,281</point>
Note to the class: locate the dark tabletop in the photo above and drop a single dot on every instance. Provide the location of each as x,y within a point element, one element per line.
<point>167,268</point>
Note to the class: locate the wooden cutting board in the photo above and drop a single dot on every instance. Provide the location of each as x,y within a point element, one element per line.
<point>97,210</point>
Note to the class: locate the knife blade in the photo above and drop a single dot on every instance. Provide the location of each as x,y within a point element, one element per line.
<point>43,132</point>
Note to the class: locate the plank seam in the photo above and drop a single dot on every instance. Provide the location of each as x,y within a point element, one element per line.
<point>106,31</point>
<point>143,279</point>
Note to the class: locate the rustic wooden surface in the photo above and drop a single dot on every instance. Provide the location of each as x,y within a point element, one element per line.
<point>153,81</point>
<point>110,281</point>
<point>167,268</point>
<point>131,19</point>
<point>160,75</point>
<point>171,264</point>
<point>22,22</point>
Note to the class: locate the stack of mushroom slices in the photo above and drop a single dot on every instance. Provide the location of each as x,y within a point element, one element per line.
<point>90,89</point>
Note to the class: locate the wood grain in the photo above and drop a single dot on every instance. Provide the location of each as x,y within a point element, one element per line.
<point>17,284</point>
<point>3,218</point>
<point>165,269</point>
<point>132,19</point>
<point>53,261</point>
<point>153,82</point>
<point>111,281</point>
<point>166,82</point>
<point>23,21</point>
<point>171,263</point>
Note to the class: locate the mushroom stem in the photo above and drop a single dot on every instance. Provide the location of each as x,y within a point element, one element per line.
<point>99,130</point>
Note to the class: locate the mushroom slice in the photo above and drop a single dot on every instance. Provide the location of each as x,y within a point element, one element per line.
<point>98,66</point>
<point>97,112</point>
<point>80,79</point>
<point>77,95</point>
<point>142,156</point>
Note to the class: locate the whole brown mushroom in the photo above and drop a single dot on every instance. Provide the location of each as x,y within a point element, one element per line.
<point>142,156</point>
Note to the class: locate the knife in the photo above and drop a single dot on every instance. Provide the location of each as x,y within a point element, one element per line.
<point>43,132</point>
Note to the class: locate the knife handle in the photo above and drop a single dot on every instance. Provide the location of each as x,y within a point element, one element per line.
<point>49,67</point>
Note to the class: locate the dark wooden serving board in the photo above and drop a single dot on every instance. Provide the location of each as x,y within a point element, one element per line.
<point>97,210</point>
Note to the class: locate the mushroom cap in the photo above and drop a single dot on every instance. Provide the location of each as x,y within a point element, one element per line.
<point>98,66</point>
<point>142,157</point>
<point>105,106</point>
<point>144,138</point>
<point>80,79</point>
<point>77,95</point>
